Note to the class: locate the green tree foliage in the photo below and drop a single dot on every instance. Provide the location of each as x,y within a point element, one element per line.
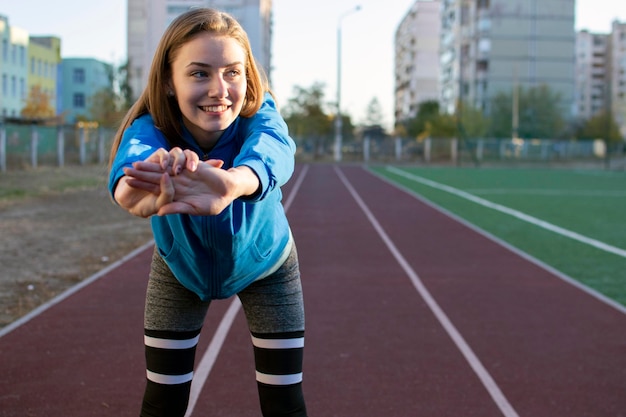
<point>421,124</point>
<point>104,108</point>
<point>308,122</point>
<point>601,126</point>
<point>122,81</point>
<point>473,122</point>
<point>108,106</point>
<point>540,114</point>
<point>429,122</point>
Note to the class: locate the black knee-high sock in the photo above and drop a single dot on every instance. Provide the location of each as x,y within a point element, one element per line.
<point>169,363</point>
<point>278,359</point>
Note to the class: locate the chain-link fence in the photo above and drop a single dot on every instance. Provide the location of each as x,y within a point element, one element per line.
<point>28,146</point>
<point>474,152</point>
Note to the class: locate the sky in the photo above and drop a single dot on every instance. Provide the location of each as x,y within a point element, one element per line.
<point>304,45</point>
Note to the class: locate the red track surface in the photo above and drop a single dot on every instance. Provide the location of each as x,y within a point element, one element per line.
<point>537,346</point>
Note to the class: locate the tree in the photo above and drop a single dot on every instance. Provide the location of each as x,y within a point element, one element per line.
<point>104,108</point>
<point>444,126</point>
<point>373,113</point>
<point>540,114</point>
<point>429,122</point>
<point>373,121</point>
<point>307,120</point>
<point>122,81</point>
<point>600,126</point>
<point>37,105</point>
<point>473,122</point>
<point>421,125</point>
<point>108,106</point>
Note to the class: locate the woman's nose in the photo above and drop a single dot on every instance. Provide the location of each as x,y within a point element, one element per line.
<point>217,87</point>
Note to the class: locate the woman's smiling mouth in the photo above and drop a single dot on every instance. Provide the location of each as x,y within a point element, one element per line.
<point>214,109</point>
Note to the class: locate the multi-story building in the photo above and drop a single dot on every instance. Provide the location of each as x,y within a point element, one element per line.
<point>417,58</point>
<point>493,46</point>
<point>148,19</point>
<point>27,62</point>
<point>601,74</point>
<point>591,74</point>
<point>13,68</point>
<point>617,74</point>
<point>82,79</point>
<point>44,69</point>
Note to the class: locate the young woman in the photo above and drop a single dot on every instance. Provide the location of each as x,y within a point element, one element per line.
<point>203,153</point>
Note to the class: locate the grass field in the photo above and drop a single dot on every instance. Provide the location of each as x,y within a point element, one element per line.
<point>571,220</point>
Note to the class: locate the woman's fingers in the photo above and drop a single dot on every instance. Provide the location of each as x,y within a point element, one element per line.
<point>192,160</point>
<point>215,163</point>
<point>139,173</point>
<point>177,160</point>
<point>144,186</point>
<point>160,157</point>
<point>166,195</point>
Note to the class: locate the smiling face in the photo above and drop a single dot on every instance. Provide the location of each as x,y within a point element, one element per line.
<point>209,82</point>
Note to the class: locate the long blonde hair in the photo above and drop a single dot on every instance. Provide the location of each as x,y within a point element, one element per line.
<point>154,98</point>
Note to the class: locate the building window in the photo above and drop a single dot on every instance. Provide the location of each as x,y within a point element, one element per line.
<point>79,76</point>
<point>5,84</point>
<point>5,49</point>
<point>79,100</point>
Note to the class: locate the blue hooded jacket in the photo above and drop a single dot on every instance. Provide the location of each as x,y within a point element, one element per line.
<point>218,256</point>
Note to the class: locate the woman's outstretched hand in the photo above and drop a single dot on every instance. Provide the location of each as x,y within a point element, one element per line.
<point>177,182</point>
<point>208,189</point>
<point>147,186</point>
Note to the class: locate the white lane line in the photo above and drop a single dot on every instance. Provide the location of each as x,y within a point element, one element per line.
<point>72,290</point>
<point>210,355</point>
<point>492,388</point>
<point>548,192</point>
<point>515,213</point>
<point>571,281</point>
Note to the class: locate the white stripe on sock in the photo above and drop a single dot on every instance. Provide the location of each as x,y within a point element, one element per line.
<point>278,343</point>
<point>278,379</point>
<point>170,343</point>
<point>169,379</point>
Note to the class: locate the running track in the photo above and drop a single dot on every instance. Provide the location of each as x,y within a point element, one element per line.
<point>409,313</point>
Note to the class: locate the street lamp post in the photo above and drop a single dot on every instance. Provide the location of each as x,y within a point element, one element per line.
<point>338,122</point>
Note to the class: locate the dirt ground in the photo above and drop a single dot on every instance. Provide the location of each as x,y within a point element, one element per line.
<point>58,226</point>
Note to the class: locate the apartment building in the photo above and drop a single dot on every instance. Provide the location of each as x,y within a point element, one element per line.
<point>617,74</point>
<point>491,46</point>
<point>148,19</point>
<point>13,68</point>
<point>591,73</point>
<point>44,68</point>
<point>82,78</point>
<point>601,74</point>
<point>26,62</point>
<point>417,58</point>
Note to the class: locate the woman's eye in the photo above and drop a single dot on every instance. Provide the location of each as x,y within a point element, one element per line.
<point>198,74</point>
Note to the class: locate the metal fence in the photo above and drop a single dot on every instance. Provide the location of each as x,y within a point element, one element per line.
<point>475,151</point>
<point>28,146</point>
